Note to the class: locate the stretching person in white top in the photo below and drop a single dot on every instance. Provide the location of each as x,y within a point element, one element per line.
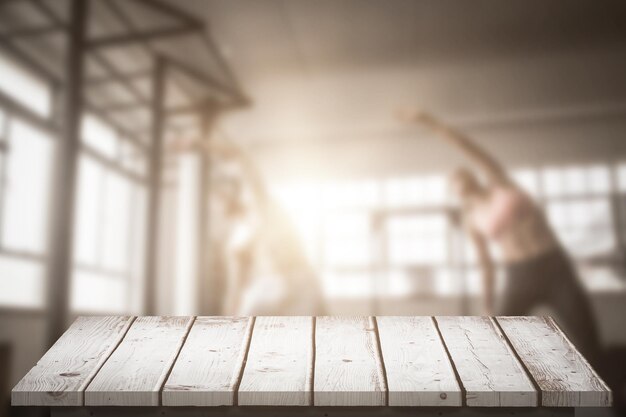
<point>268,272</point>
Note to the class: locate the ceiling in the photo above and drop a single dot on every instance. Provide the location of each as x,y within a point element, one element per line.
<point>333,69</point>
<point>336,69</point>
<point>268,36</point>
<point>118,76</point>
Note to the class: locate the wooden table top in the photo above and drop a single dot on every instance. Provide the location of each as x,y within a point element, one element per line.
<point>319,361</point>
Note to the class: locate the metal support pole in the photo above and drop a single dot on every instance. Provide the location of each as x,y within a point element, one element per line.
<point>64,186</point>
<point>205,297</point>
<point>154,185</point>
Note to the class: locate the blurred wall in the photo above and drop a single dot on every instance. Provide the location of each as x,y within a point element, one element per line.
<point>26,331</point>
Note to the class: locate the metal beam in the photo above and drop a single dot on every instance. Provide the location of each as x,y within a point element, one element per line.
<point>21,112</point>
<point>56,84</point>
<point>170,11</point>
<point>108,79</point>
<point>131,27</point>
<point>62,220</point>
<point>101,59</point>
<point>32,31</point>
<point>114,166</point>
<point>221,62</point>
<point>186,109</point>
<point>154,185</point>
<point>127,40</point>
<point>206,296</point>
<point>55,80</point>
<point>202,77</point>
<point>119,77</point>
<point>122,107</point>
<point>130,135</point>
<point>32,65</point>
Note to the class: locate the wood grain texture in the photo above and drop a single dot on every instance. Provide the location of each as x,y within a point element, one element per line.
<point>348,367</point>
<point>135,373</point>
<point>61,375</point>
<point>209,366</point>
<point>489,371</point>
<point>418,369</point>
<point>279,369</point>
<point>325,361</point>
<point>564,376</point>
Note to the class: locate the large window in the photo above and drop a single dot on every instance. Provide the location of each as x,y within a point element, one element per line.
<point>26,154</point>
<point>110,205</point>
<point>578,202</point>
<point>24,88</point>
<point>110,220</point>
<point>399,236</point>
<point>377,237</point>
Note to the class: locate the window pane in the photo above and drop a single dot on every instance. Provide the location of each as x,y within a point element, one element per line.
<point>99,137</point>
<point>553,182</point>
<point>426,190</point>
<point>28,187</point>
<point>621,177</point>
<point>528,180</point>
<point>447,283</point>
<point>89,197</point>
<point>351,285</point>
<point>599,178</point>
<point>474,281</point>
<point>3,120</point>
<point>21,283</point>
<point>115,222</point>
<point>351,194</point>
<point>347,240</point>
<point>17,82</point>
<point>302,204</point>
<point>575,181</point>
<point>417,239</point>
<point>411,281</point>
<point>584,226</point>
<point>137,243</point>
<point>347,252</point>
<point>131,158</point>
<point>96,293</point>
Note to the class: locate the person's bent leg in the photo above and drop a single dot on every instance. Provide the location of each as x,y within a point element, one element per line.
<point>572,305</point>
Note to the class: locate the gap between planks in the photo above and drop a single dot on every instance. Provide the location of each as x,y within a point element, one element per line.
<point>122,381</point>
<point>452,364</point>
<point>105,357</point>
<point>519,359</point>
<point>563,373</point>
<point>382,371</point>
<point>166,374</point>
<point>311,370</point>
<point>244,358</point>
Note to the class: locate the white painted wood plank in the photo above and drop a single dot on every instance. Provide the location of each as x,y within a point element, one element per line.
<point>418,369</point>
<point>279,369</point>
<point>348,370</point>
<point>564,376</point>
<point>134,374</point>
<point>61,375</point>
<point>489,371</point>
<point>209,366</point>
